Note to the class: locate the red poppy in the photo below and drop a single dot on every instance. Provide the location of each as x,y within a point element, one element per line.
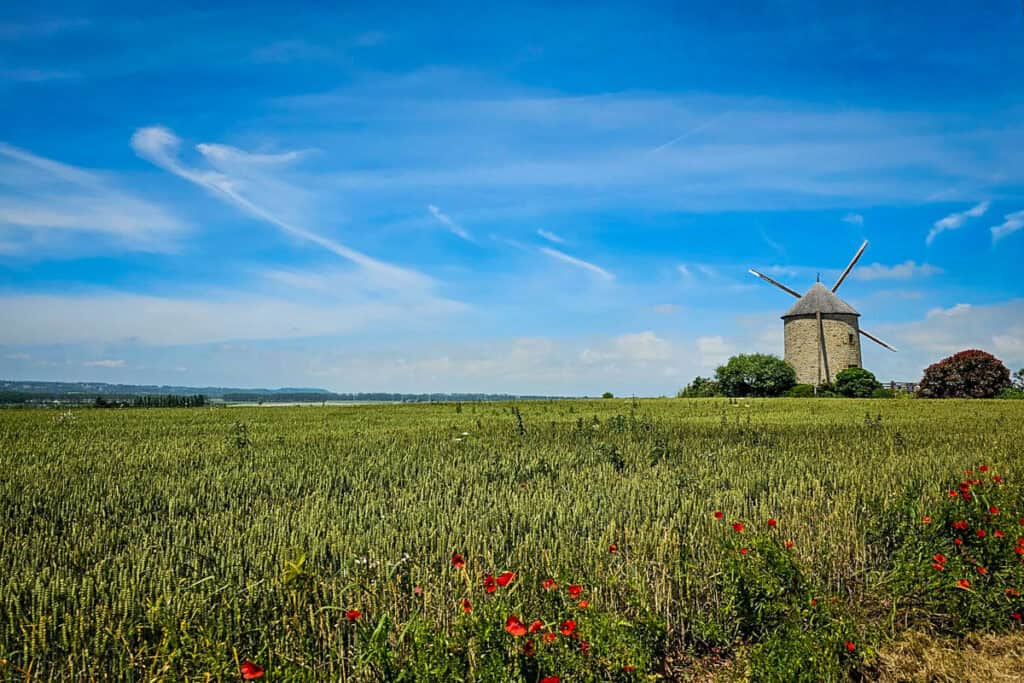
<point>549,584</point>
<point>528,648</point>
<point>937,567</point>
<point>585,648</point>
<point>1021,521</point>
<point>963,583</point>
<point>997,479</point>
<point>417,590</point>
<point>719,514</point>
<point>1012,592</point>
<point>514,626</point>
<point>551,679</point>
<point>981,533</point>
<point>998,534</point>
<point>958,541</point>
<point>353,615</point>
<point>788,544</point>
<point>575,591</point>
<point>489,585</point>
<point>850,647</point>
<point>505,578</point>
<point>536,625</point>
<point>993,510</point>
<point>939,557</point>
<point>968,471</point>
<point>983,468</point>
<point>251,671</point>
<point>744,551</point>
<point>613,548</point>
<point>961,525</point>
<point>966,496</point>
<point>1016,616</point>
<point>628,668</point>
<point>458,561</point>
<point>584,604</point>
<point>772,522</point>
<point>466,606</point>
<point>926,520</point>
<point>1019,550</point>
<point>954,494</point>
<point>549,637</point>
<point>737,527</point>
<point>813,602</point>
<point>982,570</point>
<point>567,627</point>
<point>965,486</point>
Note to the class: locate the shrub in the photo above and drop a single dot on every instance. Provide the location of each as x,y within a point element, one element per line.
<point>700,387</point>
<point>755,374</point>
<point>856,383</point>
<point>882,392</point>
<point>1011,392</point>
<point>968,374</point>
<point>607,394</point>
<point>801,391</point>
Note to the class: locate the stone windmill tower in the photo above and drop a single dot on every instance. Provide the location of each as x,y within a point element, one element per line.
<point>822,331</point>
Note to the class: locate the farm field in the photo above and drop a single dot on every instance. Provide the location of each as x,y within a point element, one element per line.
<point>354,543</point>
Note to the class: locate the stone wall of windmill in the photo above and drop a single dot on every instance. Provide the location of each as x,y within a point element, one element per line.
<point>842,343</point>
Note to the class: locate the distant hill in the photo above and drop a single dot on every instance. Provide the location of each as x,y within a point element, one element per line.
<point>30,392</point>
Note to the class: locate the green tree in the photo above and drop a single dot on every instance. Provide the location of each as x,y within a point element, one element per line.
<point>856,383</point>
<point>755,374</point>
<point>968,374</point>
<point>700,387</point>
<point>607,394</point>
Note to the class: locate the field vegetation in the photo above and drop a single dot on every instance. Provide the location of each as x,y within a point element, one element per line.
<point>772,539</point>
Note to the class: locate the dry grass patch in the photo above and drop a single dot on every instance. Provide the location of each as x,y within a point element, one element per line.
<point>921,657</point>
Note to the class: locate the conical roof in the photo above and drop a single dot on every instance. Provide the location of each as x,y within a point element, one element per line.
<point>818,299</point>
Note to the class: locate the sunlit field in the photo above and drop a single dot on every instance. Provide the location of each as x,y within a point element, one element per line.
<point>317,543</point>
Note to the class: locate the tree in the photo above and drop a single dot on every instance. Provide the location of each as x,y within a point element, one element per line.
<point>700,387</point>
<point>607,394</point>
<point>755,374</point>
<point>856,383</point>
<point>1018,379</point>
<point>968,374</point>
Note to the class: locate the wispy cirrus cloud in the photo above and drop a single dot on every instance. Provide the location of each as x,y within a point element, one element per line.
<point>105,363</point>
<point>550,236</point>
<point>1012,222</point>
<point>239,178</point>
<point>900,271</point>
<point>579,263</point>
<point>955,221</point>
<point>449,223</point>
<point>48,205</point>
<point>853,219</point>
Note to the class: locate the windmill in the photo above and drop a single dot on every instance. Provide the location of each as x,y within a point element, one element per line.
<point>822,334</point>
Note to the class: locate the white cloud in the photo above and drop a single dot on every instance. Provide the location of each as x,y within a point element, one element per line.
<point>713,351</point>
<point>641,347</point>
<point>447,221</point>
<point>216,317</point>
<point>667,309</point>
<point>579,263</point>
<point>550,236</point>
<point>900,271</point>
<point>47,205</point>
<point>239,174</point>
<point>956,220</point>
<point>106,363</point>
<point>853,219</point>
<point>1012,223</point>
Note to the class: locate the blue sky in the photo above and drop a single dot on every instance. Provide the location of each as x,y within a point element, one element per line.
<point>510,199</point>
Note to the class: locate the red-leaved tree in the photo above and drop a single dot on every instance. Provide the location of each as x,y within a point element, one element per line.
<point>968,374</point>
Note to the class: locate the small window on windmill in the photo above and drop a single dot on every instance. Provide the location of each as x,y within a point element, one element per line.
<point>851,340</point>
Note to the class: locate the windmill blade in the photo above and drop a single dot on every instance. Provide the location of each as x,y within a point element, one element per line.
<point>877,340</point>
<point>822,353</point>
<point>856,257</point>
<point>781,286</point>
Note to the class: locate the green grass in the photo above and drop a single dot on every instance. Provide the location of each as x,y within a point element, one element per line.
<point>145,543</point>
